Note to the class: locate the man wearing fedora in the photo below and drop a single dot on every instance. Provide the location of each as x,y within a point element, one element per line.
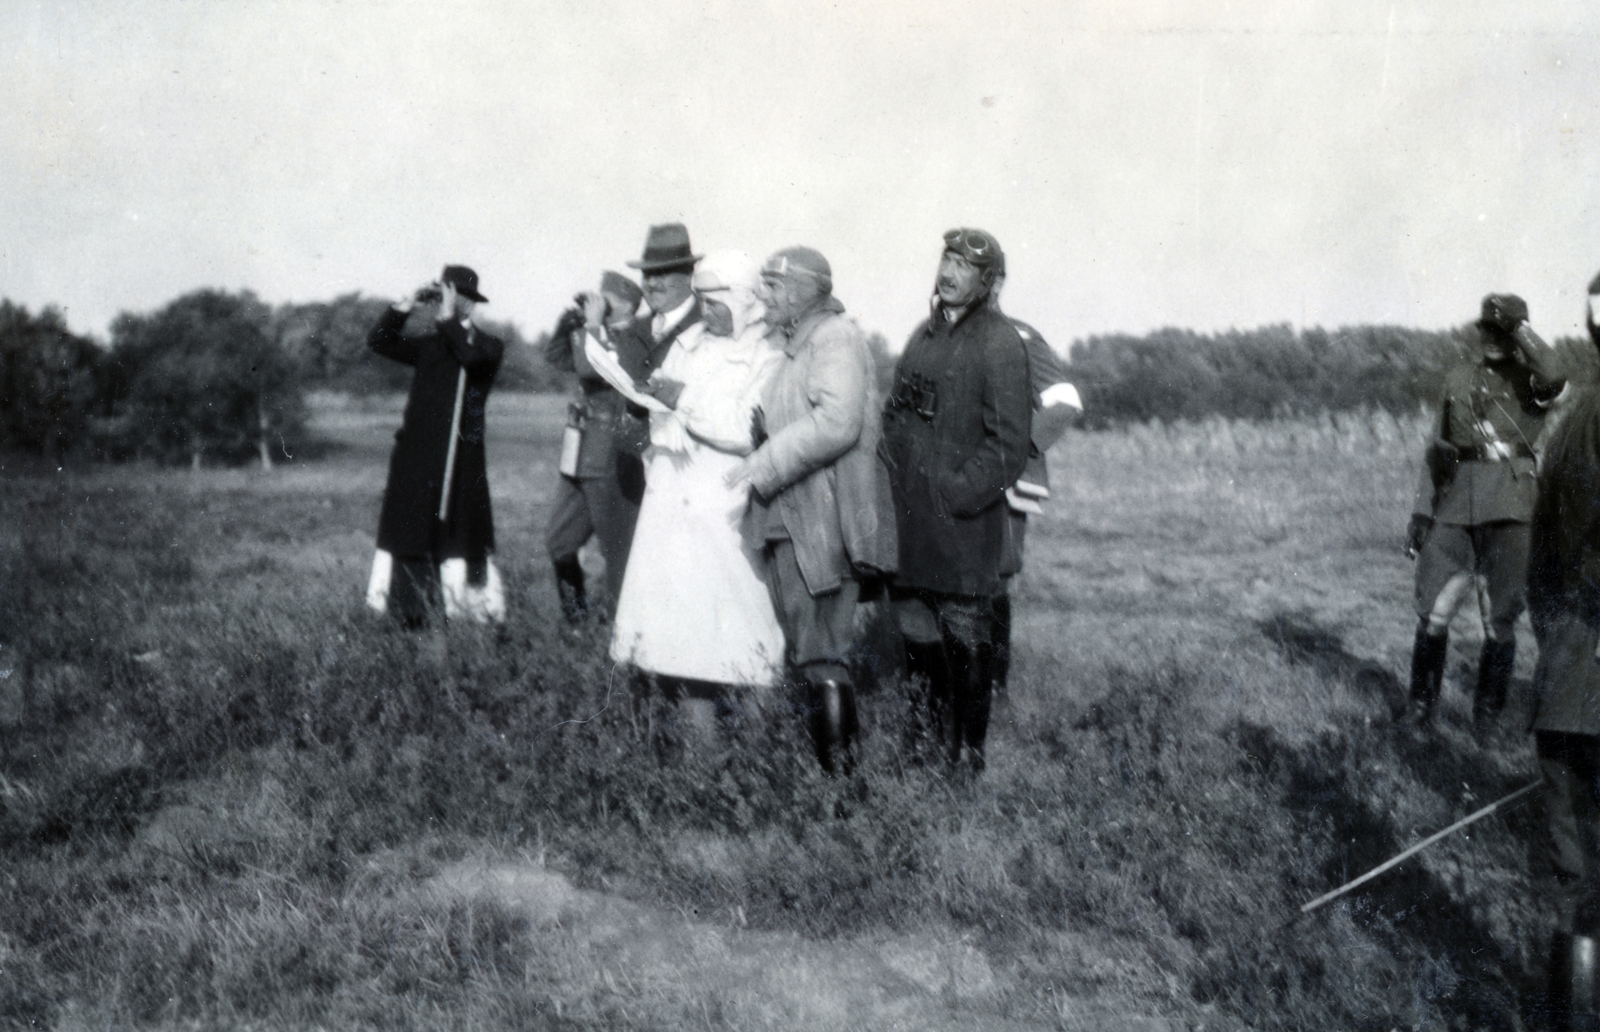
<point>426,519</point>
<point>665,269</point>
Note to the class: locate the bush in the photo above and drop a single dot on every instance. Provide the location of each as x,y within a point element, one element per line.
<point>1275,371</point>
<point>49,382</point>
<point>204,375</point>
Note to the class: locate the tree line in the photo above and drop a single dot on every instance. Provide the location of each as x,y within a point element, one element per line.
<point>1276,371</point>
<point>213,376</point>
<point>217,376</point>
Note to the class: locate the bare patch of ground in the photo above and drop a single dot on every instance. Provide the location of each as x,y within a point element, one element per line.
<point>763,979</point>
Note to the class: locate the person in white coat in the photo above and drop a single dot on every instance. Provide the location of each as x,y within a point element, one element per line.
<point>694,605</point>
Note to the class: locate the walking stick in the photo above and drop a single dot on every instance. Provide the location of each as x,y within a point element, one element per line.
<point>450,455</point>
<point>1420,846</point>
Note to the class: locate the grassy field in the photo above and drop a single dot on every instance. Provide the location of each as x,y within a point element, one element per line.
<point>231,798</point>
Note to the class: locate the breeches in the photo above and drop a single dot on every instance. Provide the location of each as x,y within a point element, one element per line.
<point>819,630</point>
<point>1571,767</point>
<point>928,617</point>
<point>1490,560</point>
<point>605,507</point>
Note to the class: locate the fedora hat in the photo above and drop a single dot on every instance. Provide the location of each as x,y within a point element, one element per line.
<point>464,280</point>
<point>666,249</point>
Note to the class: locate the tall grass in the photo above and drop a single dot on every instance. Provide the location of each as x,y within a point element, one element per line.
<point>226,791</point>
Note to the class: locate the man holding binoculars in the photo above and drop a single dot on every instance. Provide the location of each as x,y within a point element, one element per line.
<point>436,505</point>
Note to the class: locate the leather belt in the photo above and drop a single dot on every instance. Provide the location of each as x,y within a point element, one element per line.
<point>1488,453</point>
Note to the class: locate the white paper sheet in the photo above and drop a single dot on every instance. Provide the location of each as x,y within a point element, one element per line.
<point>605,363</point>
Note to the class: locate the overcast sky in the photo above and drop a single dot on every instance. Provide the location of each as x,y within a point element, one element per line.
<point>1143,164</point>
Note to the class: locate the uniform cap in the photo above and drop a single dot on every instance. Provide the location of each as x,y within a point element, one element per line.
<point>621,286</point>
<point>1506,310</point>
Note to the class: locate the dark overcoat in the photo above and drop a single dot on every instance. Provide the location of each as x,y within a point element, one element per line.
<point>955,436</point>
<point>1564,575</point>
<point>406,526</point>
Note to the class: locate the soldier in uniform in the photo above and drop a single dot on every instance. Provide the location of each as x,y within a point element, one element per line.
<point>1056,404</point>
<point>955,437</point>
<point>1469,525</point>
<point>1564,603</point>
<point>602,474</point>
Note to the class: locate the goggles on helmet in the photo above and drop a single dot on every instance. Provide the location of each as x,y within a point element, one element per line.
<point>974,245</point>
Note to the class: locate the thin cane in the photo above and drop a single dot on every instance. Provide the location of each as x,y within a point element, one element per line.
<point>1420,846</point>
<point>450,455</point>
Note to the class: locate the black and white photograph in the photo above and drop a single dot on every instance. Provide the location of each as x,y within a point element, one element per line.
<point>931,515</point>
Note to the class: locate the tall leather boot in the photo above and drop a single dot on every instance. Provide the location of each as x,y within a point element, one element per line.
<point>1000,641</point>
<point>1428,653</point>
<point>1575,983</point>
<point>975,718</point>
<point>928,661</point>
<point>971,670</point>
<point>833,724</point>
<point>963,665</point>
<point>569,584</point>
<point>1495,664</point>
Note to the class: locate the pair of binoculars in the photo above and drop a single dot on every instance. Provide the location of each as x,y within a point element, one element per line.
<point>918,393</point>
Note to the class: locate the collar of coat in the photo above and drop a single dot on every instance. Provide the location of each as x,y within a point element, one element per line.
<point>689,319</point>
<point>819,309</point>
<point>937,311</point>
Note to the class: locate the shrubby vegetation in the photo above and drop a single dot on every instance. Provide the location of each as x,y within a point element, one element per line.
<point>1273,371</point>
<point>49,382</point>
<point>220,376</point>
<point>201,376</point>
<point>212,376</point>
<point>328,341</point>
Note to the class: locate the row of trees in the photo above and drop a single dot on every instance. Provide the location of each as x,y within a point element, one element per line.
<point>224,376</point>
<point>212,375</point>
<point>1275,371</point>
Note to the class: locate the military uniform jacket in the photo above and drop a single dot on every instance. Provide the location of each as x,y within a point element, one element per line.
<point>610,424</point>
<point>1564,575</point>
<point>1490,408</point>
<point>416,468</point>
<point>955,436</point>
<point>1047,425</point>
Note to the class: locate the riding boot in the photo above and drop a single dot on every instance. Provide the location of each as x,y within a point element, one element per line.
<point>1000,642</point>
<point>975,718</point>
<point>1427,673</point>
<point>964,672</point>
<point>569,583</point>
<point>1575,984</point>
<point>928,661</point>
<point>832,722</point>
<point>971,673</point>
<point>849,726</point>
<point>1495,664</point>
